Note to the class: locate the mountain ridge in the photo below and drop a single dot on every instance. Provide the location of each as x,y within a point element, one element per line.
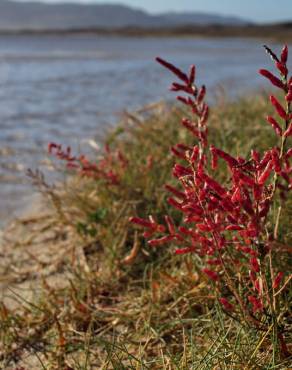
<point>34,15</point>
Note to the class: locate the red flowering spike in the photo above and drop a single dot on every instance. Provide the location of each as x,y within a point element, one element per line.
<point>228,306</point>
<point>211,274</point>
<point>183,100</point>
<point>280,110</point>
<point>190,126</point>
<point>282,68</point>
<point>288,132</point>
<point>141,222</point>
<point>257,192</point>
<point>185,250</point>
<point>52,146</point>
<point>175,204</point>
<point>266,173</point>
<point>255,156</point>
<point>252,276</point>
<point>195,154</point>
<point>231,161</point>
<point>254,264</point>
<point>163,240</point>
<point>214,262</point>
<point>266,158</point>
<point>276,161</point>
<point>204,227</point>
<point>177,153</point>
<point>178,87</point>
<point>177,193</point>
<point>72,166</point>
<point>258,284</point>
<point>284,54</point>
<point>213,184</point>
<point>214,157</point>
<point>277,280</point>
<point>275,125</point>
<point>264,208</point>
<point>170,225</point>
<point>256,304</point>
<point>181,75</point>
<point>181,171</point>
<point>192,74</point>
<point>289,153</point>
<point>202,94</point>
<point>233,227</point>
<point>244,179</point>
<point>273,79</point>
<point>288,97</point>
<point>205,115</point>
<point>236,197</point>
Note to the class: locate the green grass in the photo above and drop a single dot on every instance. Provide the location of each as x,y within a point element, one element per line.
<point>153,310</point>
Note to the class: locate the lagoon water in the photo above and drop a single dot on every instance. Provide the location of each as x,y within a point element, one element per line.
<point>69,88</point>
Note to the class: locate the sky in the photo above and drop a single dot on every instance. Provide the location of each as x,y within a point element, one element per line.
<point>255,10</point>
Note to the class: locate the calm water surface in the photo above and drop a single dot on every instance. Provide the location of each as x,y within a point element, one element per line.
<point>68,88</point>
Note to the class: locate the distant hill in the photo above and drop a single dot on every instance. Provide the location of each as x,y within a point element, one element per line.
<point>43,16</point>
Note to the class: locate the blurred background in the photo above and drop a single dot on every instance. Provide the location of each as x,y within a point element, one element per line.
<point>68,70</point>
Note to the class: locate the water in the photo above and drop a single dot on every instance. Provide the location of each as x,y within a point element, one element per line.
<point>67,88</point>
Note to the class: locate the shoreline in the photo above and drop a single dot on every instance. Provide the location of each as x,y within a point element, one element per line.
<point>277,32</point>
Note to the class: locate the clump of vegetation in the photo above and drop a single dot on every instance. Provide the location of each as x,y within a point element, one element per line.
<point>229,221</point>
<point>118,303</point>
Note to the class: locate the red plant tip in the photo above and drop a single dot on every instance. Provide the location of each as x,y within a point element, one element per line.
<point>177,193</point>
<point>174,203</point>
<point>280,110</point>
<point>181,75</point>
<point>252,276</point>
<point>183,100</point>
<point>202,94</point>
<point>215,262</point>
<point>288,132</point>
<point>276,161</point>
<point>289,153</point>
<point>231,161</point>
<point>255,155</point>
<point>228,306</point>
<point>214,157</point>
<point>236,196</point>
<point>204,227</point>
<point>274,80</point>
<point>288,97</point>
<point>184,250</point>
<point>162,240</point>
<point>233,228</point>
<point>254,264</point>
<point>211,274</point>
<point>52,146</point>
<point>282,68</point>
<point>213,184</point>
<point>256,303</point>
<point>277,280</point>
<point>284,54</point>
<point>170,225</point>
<point>275,125</point>
<point>192,74</point>
<point>141,222</point>
<point>266,173</point>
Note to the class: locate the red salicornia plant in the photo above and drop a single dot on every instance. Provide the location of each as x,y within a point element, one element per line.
<point>228,224</point>
<point>105,168</point>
